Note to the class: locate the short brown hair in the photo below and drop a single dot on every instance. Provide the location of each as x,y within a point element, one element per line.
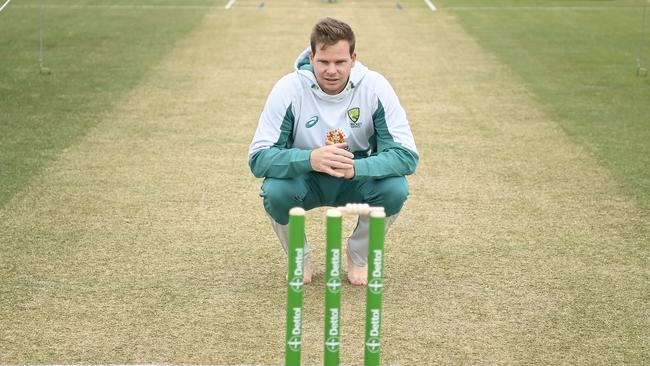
<point>329,31</point>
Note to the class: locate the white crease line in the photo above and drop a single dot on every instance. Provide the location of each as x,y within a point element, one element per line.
<point>5,4</point>
<point>430,5</point>
<point>230,4</point>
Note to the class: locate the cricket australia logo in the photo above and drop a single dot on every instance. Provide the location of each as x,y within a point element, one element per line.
<point>353,114</point>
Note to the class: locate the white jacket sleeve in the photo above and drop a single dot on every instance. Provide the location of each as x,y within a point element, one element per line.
<point>394,152</point>
<point>271,153</point>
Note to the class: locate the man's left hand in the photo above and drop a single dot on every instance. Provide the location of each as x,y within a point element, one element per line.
<point>347,173</point>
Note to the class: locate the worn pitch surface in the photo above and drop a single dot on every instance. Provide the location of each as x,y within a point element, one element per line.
<point>146,242</point>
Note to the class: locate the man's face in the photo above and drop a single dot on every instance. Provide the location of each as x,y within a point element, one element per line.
<point>332,66</point>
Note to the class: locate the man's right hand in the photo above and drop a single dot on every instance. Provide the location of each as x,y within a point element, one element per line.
<point>332,159</point>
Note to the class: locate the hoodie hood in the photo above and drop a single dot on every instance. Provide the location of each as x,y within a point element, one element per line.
<point>303,67</point>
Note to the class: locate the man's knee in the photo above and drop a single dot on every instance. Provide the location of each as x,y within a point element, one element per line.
<point>281,195</point>
<point>391,193</point>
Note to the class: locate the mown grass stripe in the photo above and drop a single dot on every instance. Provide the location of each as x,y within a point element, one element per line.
<point>93,63</point>
<point>538,8</point>
<point>585,75</point>
<point>515,246</point>
<point>115,6</point>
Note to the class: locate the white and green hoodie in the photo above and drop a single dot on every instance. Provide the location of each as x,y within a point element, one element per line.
<point>298,115</point>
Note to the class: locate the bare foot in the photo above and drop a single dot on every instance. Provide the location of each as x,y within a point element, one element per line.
<point>306,274</point>
<point>357,275</point>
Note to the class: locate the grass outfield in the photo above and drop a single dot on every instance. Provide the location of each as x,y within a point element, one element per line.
<point>584,73</point>
<point>96,54</point>
<point>143,240</point>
